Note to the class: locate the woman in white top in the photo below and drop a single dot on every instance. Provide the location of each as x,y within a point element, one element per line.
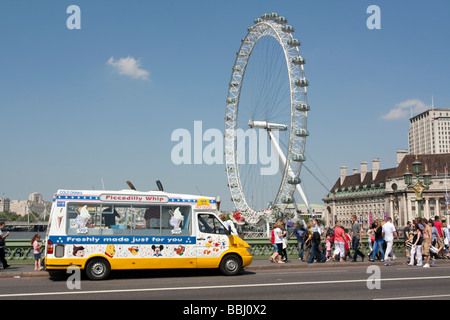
<point>446,239</point>
<point>278,233</point>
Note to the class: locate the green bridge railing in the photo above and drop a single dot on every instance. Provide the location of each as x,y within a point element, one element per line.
<point>21,251</point>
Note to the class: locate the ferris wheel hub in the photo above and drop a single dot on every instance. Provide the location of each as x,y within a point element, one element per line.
<point>267,125</point>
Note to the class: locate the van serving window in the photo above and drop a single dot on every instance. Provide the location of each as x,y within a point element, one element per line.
<point>126,219</point>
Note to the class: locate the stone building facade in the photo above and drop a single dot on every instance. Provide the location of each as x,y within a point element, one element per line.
<point>378,194</point>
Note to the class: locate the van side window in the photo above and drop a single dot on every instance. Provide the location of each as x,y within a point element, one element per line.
<point>152,217</point>
<point>84,218</point>
<point>176,220</point>
<point>208,223</point>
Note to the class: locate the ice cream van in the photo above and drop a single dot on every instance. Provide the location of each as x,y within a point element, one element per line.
<point>100,231</point>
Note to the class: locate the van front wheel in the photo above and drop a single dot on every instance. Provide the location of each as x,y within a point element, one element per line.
<point>230,265</point>
<point>98,269</point>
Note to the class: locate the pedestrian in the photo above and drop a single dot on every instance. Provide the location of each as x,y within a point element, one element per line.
<point>339,244</point>
<point>408,238</point>
<point>299,232</point>
<point>307,241</point>
<point>416,248</point>
<point>356,239</point>
<point>315,243</point>
<point>347,244</point>
<point>371,238</point>
<point>329,240</point>
<point>446,237</point>
<point>426,243</point>
<point>37,252</point>
<point>388,235</point>
<point>3,245</point>
<point>440,237</point>
<point>434,241</point>
<point>272,240</point>
<point>378,241</point>
<point>278,233</point>
<point>284,256</point>
<point>229,225</point>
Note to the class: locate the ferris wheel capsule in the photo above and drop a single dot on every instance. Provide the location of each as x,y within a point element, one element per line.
<point>287,28</point>
<point>302,107</point>
<point>293,42</point>
<point>298,157</point>
<point>298,61</point>
<point>281,20</point>
<point>301,133</point>
<point>294,180</point>
<point>301,83</point>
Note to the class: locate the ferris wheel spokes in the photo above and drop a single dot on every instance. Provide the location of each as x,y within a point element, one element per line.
<point>293,178</point>
<point>274,94</point>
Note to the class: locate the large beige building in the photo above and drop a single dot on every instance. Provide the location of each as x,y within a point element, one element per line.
<point>381,193</point>
<point>429,132</point>
<point>4,204</point>
<point>35,204</point>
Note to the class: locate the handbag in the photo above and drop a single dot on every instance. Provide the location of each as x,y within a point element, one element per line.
<point>408,245</point>
<point>284,243</point>
<point>433,249</point>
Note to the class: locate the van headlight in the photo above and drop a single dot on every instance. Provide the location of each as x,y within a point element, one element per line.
<point>249,249</point>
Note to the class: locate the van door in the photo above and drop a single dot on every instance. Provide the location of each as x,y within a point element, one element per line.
<point>212,240</point>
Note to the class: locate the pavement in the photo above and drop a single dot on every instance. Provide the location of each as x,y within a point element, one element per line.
<point>27,270</point>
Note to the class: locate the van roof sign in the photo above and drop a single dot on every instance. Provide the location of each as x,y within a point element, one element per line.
<point>134,198</point>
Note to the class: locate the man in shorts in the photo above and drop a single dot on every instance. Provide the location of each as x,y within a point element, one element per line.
<point>426,243</point>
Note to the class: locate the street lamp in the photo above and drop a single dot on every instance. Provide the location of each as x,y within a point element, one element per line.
<point>418,186</point>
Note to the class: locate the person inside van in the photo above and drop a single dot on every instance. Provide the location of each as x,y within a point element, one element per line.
<point>152,216</point>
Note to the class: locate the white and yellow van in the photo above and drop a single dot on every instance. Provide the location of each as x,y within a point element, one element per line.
<point>100,231</point>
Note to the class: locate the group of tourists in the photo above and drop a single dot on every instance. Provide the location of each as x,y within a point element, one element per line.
<point>309,238</point>
<point>424,240</point>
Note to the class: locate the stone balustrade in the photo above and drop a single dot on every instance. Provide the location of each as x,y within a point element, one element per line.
<point>262,247</point>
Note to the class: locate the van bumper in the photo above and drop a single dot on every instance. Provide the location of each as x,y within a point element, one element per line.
<point>246,260</point>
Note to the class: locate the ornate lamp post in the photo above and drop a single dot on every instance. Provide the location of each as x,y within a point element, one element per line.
<point>418,186</point>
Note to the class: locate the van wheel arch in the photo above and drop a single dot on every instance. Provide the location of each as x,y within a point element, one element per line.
<point>231,264</point>
<point>97,268</point>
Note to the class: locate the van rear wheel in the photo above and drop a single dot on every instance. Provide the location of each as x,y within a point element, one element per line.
<point>98,269</point>
<point>230,265</point>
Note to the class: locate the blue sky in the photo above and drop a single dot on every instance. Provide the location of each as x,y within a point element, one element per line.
<point>69,117</point>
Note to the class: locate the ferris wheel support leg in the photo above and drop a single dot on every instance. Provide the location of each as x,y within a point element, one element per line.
<point>298,187</point>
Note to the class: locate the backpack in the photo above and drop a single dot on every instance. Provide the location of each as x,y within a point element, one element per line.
<point>331,236</point>
<point>316,237</point>
<point>306,236</point>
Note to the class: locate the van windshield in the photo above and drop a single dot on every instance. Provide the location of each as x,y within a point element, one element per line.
<point>208,223</point>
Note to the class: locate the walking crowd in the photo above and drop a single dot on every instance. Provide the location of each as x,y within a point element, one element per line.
<point>425,241</point>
